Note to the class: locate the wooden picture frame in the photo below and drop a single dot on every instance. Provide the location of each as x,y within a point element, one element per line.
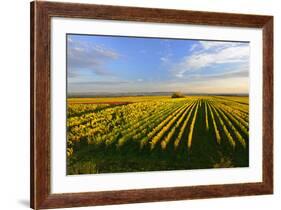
<point>41,14</point>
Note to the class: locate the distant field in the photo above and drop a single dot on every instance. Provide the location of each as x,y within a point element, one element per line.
<point>152,133</point>
<point>124,99</point>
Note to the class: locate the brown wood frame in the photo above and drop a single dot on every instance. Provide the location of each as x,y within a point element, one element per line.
<point>41,14</point>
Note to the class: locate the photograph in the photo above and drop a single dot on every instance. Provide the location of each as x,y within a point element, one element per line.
<point>132,104</point>
<point>137,104</point>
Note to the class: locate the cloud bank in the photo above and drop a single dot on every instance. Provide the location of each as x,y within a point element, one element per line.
<point>211,54</point>
<point>88,56</point>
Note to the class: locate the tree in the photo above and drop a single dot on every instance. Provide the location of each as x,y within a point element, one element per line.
<point>177,95</point>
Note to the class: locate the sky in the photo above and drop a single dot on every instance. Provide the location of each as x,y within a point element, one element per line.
<point>114,64</point>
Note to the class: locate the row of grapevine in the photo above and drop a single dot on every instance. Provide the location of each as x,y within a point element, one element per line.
<point>234,119</point>
<point>236,115</point>
<point>227,133</point>
<point>98,127</point>
<point>235,131</point>
<point>189,141</point>
<point>183,127</point>
<point>169,136</point>
<point>167,124</point>
<point>218,137</point>
<point>206,117</point>
<point>236,108</point>
<point>140,129</point>
<point>242,107</point>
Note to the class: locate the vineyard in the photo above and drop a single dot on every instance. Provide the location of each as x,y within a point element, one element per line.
<point>127,134</point>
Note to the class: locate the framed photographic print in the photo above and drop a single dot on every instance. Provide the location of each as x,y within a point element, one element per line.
<point>140,105</point>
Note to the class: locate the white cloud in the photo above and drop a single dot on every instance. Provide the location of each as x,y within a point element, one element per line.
<point>88,56</point>
<point>212,53</point>
<point>193,47</point>
<point>164,59</point>
<point>214,44</point>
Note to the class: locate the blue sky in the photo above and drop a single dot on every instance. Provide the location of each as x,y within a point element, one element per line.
<point>99,64</point>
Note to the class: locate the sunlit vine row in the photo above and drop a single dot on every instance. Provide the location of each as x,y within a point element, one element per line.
<point>178,124</point>
<point>183,127</point>
<point>235,131</point>
<point>227,133</point>
<point>166,126</point>
<point>189,140</point>
<point>218,137</point>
